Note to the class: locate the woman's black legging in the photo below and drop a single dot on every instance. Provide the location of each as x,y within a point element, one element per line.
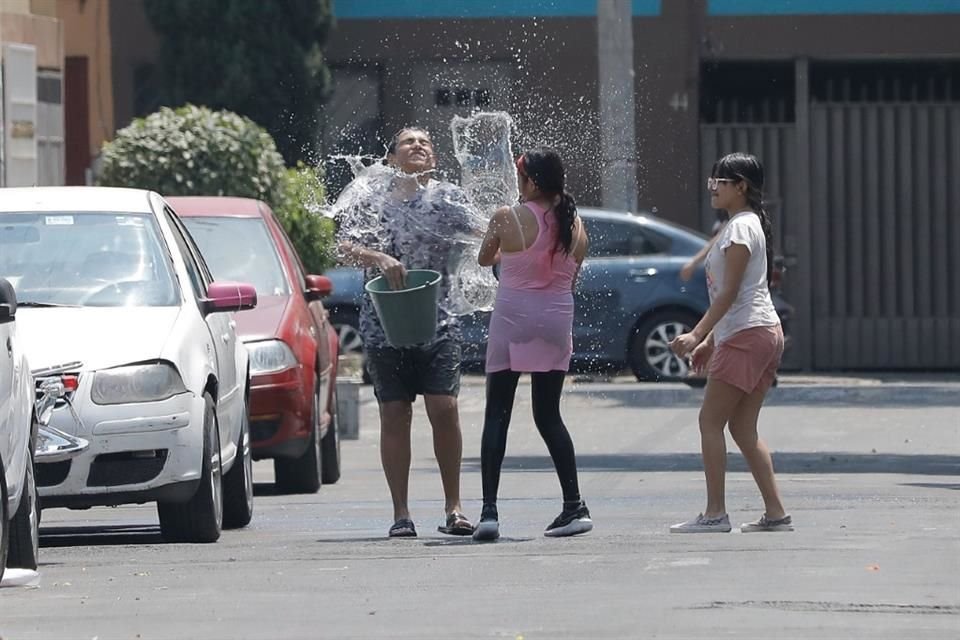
<point>546,388</point>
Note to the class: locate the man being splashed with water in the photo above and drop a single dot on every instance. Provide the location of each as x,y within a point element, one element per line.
<point>397,218</point>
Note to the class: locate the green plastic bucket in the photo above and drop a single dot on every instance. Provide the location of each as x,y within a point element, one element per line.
<point>408,316</point>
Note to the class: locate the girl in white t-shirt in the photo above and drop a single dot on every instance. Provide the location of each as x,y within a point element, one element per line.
<point>739,342</point>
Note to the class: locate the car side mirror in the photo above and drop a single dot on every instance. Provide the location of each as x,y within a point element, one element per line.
<point>229,296</point>
<point>8,302</point>
<point>318,287</point>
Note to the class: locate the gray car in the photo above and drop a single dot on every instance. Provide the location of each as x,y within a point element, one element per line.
<point>630,299</point>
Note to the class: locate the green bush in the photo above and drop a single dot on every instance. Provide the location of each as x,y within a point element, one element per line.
<point>311,233</point>
<point>194,151</point>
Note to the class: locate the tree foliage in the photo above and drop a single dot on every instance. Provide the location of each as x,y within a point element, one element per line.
<point>260,58</point>
<point>311,233</point>
<point>193,151</point>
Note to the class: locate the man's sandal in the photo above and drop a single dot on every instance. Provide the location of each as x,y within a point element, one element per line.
<point>456,525</point>
<point>403,528</point>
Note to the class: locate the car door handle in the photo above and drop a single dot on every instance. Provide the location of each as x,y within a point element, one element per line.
<point>641,275</point>
<point>9,344</point>
<point>225,337</point>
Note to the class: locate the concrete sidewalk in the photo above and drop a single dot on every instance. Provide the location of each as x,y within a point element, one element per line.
<point>888,389</point>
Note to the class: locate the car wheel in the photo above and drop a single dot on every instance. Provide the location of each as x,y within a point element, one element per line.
<point>238,482</point>
<point>24,546</point>
<point>347,326</point>
<point>200,519</point>
<point>650,356</point>
<point>303,474</point>
<point>4,521</point>
<point>330,446</point>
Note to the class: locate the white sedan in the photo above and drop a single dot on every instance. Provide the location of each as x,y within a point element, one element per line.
<point>111,283</point>
<point>19,512</point>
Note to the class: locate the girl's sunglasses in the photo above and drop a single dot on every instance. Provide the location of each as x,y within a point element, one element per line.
<point>713,183</point>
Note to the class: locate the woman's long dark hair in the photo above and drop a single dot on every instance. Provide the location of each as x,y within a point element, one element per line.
<point>545,168</point>
<point>745,167</point>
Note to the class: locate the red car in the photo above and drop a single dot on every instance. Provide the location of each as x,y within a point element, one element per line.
<point>293,348</point>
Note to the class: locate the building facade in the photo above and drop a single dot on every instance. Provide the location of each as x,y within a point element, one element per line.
<point>31,86</point>
<point>852,105</point>
<point>88,84</point>
<point>57,91</point>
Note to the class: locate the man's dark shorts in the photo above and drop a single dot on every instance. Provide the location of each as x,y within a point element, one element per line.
<point>402,374</point>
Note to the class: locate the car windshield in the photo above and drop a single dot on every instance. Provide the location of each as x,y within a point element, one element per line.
<point>104,259</point>
<point>240,249</point>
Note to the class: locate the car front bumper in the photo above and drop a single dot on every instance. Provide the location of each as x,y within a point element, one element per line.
<point>137,452</point>
<point>280,413</point>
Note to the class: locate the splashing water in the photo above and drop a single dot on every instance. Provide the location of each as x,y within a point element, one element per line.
<point>481,144</point>
<point>482,148</point>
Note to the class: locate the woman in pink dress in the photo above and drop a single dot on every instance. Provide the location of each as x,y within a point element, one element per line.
<point>540,245</point>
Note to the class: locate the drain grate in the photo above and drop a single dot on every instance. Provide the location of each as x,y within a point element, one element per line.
<point>834,607</point>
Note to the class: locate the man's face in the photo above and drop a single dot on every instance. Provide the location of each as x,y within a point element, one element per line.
<point>414,152</point>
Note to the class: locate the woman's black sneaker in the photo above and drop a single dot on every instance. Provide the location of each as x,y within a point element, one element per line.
<point>572,521</point>
<point>488,529</point>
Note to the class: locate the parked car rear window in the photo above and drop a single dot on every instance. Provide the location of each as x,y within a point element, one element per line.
<point>240,249</point>
<point>608,239</point>
<point>86,259</point>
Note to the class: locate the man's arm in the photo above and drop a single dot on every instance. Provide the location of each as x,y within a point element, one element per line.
<point>358,256</point>
<point>352,252</point>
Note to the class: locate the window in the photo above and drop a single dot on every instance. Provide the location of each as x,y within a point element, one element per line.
<point>98,259</point>
<point>758,92</point>
<point>241,250</point>
<point>478,97</point>
<point>610,239</point>
<point>196,278</point>
<point>299,269</point>
<point>913,81</point>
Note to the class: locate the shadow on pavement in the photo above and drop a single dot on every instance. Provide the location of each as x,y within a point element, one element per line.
<point>785,462</point>
<point>467,541</point>
<point>383,538</point>
<point>933,485</point>
<point>425,541</point>
<point>100,535</point>
<point>265,489</point>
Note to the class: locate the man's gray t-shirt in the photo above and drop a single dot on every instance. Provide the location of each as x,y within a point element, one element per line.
<point>426,230</point>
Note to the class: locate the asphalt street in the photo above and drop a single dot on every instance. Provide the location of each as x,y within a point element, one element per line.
<point>869,469</point>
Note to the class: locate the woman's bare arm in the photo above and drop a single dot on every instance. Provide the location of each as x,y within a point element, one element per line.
<point>490,248</point>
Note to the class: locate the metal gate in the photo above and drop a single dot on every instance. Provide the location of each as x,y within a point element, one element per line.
<point>775,146</point>
<point>885,229</point>
<point>884,257</point>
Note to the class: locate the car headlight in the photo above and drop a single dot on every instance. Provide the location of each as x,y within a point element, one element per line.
<point>270,356</point>
<point>136,383</point>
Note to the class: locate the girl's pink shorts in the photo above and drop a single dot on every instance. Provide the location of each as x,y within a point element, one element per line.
<point>748,359</point>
